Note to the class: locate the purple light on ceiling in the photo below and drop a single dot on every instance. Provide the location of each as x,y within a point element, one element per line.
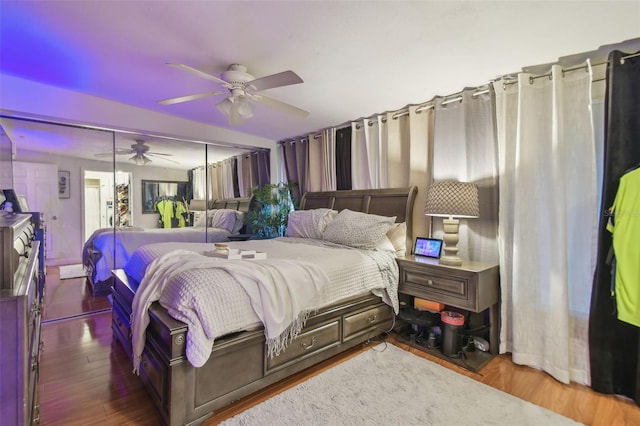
<point>30,48</point>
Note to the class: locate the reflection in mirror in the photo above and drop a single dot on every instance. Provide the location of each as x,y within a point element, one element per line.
<point>106,170</point>
<point>6,169</point>
<point>154,191</point>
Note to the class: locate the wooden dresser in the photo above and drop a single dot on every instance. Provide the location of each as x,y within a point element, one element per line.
<point>20,306</point>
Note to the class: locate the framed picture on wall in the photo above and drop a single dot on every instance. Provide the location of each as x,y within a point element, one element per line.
<point>64,184</point>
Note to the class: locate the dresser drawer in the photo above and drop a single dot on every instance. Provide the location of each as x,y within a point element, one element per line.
<point>362,322</point>
<point>307,343</point>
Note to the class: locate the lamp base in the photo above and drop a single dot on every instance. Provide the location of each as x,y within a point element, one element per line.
<point>450,260</point>
<point>450,238</point>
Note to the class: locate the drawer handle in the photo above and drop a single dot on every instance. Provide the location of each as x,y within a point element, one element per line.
<point>41,346</point>
<point>430,282</point>
<point>34,363</point>
<point>36,415</point>
<point>307,346</point>
<point>372,319</point>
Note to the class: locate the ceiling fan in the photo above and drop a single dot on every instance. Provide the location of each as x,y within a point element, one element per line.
<point>242,89</point>
<point>140,153</point>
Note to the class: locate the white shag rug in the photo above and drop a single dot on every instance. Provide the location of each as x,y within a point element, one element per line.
<point>72,271</point>
<point>389,386</point>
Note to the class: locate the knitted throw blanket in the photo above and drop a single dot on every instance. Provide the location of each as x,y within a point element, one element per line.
<point>282,293</point>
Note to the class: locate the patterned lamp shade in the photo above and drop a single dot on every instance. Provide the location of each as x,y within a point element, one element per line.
<point>452,199</point>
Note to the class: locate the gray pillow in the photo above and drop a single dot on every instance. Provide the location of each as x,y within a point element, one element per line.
<point>356,229</point>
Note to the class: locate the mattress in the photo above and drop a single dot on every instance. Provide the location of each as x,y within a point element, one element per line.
<point>103,252</point>
<point>198,293</point>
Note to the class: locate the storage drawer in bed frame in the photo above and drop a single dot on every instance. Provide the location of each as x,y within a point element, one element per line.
<point>239,364</point>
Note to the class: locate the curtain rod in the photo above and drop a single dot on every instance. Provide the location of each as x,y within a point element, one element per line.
<point>564,70</point>
<point>458,96</point>
<point>628,56</point>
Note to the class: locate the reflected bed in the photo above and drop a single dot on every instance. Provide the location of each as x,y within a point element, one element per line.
<point>110,248</point>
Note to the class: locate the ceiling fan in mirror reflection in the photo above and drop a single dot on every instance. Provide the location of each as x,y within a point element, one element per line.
<point>141,154</point>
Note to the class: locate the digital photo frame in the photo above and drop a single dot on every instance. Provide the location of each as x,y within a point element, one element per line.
<point>427,247</point>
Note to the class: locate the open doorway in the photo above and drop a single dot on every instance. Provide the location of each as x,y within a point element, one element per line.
<point>106,200</point>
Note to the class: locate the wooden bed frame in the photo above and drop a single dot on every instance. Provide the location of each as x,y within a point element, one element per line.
<point>243,204</point>
<point>239,364</point>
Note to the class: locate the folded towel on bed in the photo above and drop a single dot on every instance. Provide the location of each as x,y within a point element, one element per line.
<point>282,293</point>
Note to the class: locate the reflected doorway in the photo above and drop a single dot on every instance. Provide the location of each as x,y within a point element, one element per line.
<point>106,200</point>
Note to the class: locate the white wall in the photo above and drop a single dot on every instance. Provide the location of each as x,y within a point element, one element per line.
<point>27,98</point>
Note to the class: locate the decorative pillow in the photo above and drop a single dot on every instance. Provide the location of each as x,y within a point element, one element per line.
<point>309,223</point>
<point>228,219</point>
<point>385,245</point>
<point>356,229</point>
<point>398,236</point>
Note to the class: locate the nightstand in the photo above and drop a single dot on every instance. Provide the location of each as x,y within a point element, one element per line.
<point>473,286</point>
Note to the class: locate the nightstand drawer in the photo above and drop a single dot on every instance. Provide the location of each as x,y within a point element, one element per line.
<point>456,289</point>
<point>452,286</point>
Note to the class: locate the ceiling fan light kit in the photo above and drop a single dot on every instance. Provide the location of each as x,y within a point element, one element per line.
<point>140,159</point>
<point>140,153</point>
<point>242,89</point>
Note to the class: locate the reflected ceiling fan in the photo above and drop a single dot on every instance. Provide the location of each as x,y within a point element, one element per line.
<point>243,90</point>
<point>141,153</point>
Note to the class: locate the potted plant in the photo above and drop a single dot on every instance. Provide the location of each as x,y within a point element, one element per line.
<point>272,205</point>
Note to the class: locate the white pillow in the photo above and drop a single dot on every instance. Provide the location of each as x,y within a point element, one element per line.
<point>398,236</point>
<point>385,244</point>
<point>309,223</point>
<point>356,229</point>
<point>228,219</point>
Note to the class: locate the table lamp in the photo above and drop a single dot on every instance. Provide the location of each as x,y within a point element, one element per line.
<point>452,200</point>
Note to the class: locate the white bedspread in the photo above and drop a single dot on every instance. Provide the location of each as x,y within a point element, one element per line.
<point>113,252</point>
<point>282,294</point>
<point>192,293</point>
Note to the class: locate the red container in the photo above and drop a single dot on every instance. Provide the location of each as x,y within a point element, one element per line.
<point>452,318</point>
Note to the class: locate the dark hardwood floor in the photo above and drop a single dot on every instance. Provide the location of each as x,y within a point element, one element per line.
<point>69,297</point>
<point>86,378</point>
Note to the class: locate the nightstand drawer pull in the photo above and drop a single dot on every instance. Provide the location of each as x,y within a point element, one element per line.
<point>372,319</point>
<point>430,282</point>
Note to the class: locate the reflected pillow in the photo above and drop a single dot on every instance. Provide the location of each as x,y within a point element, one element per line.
<point>309,223</point>
<point>356,229</point>
<point>231,220</point>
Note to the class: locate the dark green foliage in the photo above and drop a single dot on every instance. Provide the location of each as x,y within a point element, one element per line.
<point>272,207</point>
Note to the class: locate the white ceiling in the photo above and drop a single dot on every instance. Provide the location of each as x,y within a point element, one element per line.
<point>356,58</point>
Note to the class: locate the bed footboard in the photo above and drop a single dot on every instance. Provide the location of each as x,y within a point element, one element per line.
<point>238,365</point>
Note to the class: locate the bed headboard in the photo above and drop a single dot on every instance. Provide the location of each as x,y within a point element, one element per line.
<point>241,204</point>
<point>384,202</point>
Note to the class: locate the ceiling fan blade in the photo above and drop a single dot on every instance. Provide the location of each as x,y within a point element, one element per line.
<point>186,98</point>
<point>282,106</point>
<point>285,78</point>
<point>119,151</point>
<point>200,73</point>
<point>153,154</point>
